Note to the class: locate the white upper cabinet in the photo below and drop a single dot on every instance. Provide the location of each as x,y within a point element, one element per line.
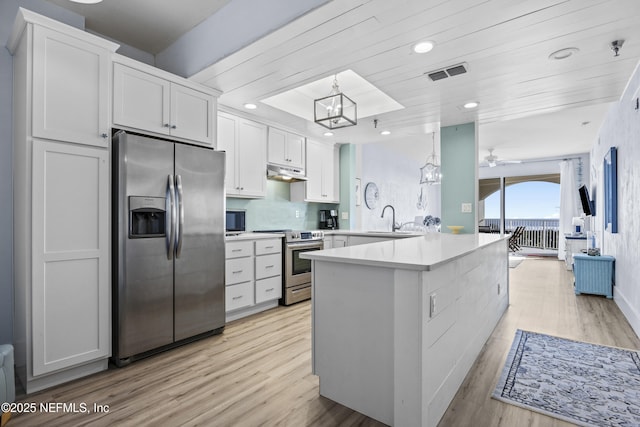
<point>245,143</point>
<point>286,149</point>
<point>70,89</point>
<point>322,175</point>
<point>143,99</point>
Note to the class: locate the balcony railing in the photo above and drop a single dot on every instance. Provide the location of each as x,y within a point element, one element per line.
<point>538,233</point>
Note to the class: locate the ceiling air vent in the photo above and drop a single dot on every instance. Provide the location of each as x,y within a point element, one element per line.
<point>454,70</point>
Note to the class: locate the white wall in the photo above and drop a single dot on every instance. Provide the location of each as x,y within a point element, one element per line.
<point>395,168</point>
<point>621,129</point>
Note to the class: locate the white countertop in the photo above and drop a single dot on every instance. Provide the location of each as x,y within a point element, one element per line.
<point>374,233</point>
<point>254,236</point>
<point>424,252</point>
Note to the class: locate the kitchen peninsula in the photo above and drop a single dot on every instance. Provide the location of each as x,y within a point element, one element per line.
<point>398,324</point>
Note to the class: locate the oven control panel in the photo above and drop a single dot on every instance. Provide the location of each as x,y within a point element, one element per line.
<point>304,235</point>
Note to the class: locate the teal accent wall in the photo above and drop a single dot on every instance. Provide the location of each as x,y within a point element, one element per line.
<point>347,186</point>
<point>276,212</point>
<point>458,158</point>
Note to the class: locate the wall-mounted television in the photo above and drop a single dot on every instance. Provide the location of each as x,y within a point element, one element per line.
<point>587,203</point>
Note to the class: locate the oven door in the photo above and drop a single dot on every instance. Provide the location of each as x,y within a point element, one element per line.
<point>298,270</point>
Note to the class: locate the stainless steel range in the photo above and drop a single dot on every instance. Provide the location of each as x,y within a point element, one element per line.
<point>297,271</point>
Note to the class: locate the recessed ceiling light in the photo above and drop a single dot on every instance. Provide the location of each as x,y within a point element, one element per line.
<point>87,1</point>
<point>385,132</point>
<point>564,53</point>
<point>470,104</point>
<point>328,134</point>
<point>250,106</point>
<point>423,47</point>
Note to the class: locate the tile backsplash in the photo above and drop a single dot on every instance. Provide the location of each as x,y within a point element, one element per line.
<point>276,211</point>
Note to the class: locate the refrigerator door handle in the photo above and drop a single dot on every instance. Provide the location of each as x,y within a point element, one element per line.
<point>171,235</point>
<point>180,214</point>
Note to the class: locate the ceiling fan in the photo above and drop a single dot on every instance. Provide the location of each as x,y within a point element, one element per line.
<point>492,160</point>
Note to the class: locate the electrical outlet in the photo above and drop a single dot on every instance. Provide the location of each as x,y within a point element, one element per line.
<point>297,214</point>
<point>345,215</point>
<point>466,207</point>
<point>432,305</point>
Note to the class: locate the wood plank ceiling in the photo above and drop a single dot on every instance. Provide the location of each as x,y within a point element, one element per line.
<point>506,45</point>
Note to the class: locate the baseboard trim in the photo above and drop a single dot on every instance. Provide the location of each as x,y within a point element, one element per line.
<point>632,316</point>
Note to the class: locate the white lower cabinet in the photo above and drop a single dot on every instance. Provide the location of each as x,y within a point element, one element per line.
<point>70,256</point>
<point>239,296</point>
<point>268,289</point>
<point>253,276</point>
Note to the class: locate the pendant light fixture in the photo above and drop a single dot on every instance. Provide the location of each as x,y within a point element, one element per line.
<point>430,172</point>
<point>335,110</point>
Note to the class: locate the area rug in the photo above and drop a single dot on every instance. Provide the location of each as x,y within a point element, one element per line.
<point>586,384</point>
<point>515,261</point>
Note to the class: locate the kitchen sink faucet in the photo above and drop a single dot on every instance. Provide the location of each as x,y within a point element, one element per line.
<point>394,225</point>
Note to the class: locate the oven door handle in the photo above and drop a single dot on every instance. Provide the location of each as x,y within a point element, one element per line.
<point>305,245</point>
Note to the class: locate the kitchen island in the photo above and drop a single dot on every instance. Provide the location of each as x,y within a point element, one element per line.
<point>398,324</point>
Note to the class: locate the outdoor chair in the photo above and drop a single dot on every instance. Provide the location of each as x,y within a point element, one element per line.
<point>513,239</point>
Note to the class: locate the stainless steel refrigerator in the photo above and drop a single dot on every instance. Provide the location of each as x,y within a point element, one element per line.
<point>168,243</point>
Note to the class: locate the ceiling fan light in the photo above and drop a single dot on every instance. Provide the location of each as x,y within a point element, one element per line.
<point>471,104</point>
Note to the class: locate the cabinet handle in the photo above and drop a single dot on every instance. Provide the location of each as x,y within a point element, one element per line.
<point>173,126</point>
<point>269,266</point>
<point>269,290</point>
<point>167,125</point>
<point>104,135</point>
<point>236,250</point>
<point>236,272</point>
<point>268,247</point>
<point>238,297</point>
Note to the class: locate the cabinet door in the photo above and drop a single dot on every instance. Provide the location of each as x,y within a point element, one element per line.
<point>227,142</point>
<point>140,100</point>
<point>314,184</point>
<point>296,150</point>
<point>277,146</point>
<point>330,168</point>
<point>70,89</point>
<point>192,114</point>
<point>251,148</point>
<point>71,309</point>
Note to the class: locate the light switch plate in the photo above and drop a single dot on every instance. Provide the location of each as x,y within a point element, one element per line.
<point>345,215</point>
<point>466,207</point>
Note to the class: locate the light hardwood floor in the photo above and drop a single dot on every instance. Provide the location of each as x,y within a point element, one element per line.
<point>259,371</point>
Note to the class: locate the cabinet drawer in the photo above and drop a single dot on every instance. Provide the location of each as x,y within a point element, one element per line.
<point>239,249</point>
<point>238,296</point>
<point>268,289</point>
<point>238,270</point>
<point>268,246</point>
<point>268,266</point>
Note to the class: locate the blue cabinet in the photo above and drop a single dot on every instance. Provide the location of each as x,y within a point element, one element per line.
<point>594,274</point>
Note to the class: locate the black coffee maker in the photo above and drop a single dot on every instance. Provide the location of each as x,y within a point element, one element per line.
<point>328,219</point>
